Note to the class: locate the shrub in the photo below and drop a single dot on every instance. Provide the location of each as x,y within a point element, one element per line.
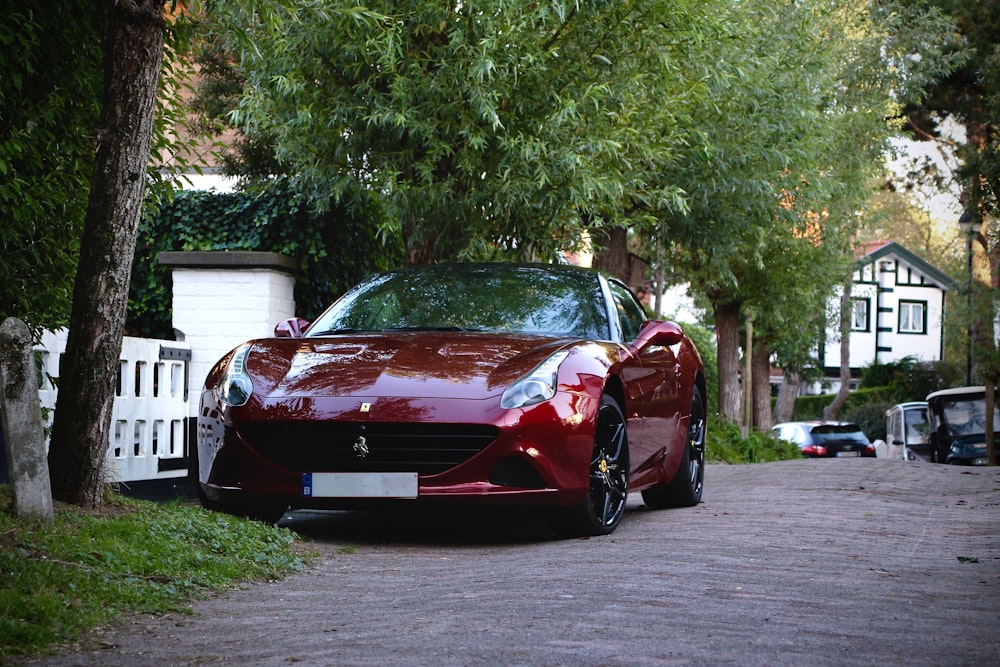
<point>907,379</point>
<point>869,415</point>
<point>726,444</point>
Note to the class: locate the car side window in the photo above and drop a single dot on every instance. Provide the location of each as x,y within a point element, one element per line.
<point>792,433</point>
<point>630,313</point>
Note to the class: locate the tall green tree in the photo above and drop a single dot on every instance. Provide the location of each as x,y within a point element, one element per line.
<point>491,129</point>
<point>803,92</point>
<point>758,172</point>
<point>50,59</point>
<point>972,96</point>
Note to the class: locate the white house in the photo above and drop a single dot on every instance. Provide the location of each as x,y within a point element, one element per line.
<point>897,302</point>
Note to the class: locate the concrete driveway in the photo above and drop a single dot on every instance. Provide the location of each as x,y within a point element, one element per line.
<point>810,562</point>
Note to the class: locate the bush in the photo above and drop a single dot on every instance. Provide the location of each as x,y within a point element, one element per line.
<point>882,386</point>
<point>870,416</point>
<point>726,444</point>
<point>908,379</point>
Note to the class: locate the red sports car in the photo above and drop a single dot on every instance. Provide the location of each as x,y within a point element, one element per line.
<point>507,384</point>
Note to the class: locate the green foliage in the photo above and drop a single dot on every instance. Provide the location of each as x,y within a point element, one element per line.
<point>882,386</point>
<point>50,57</point>
<point>83,570</point>
<point>869,415</point>
<point>490,129</point>
<point>726,444</point>
<point>335,249</point>
<point>970,94</point>
<point>811,407</point>
<point>802,97</point>
<point>908,379</point>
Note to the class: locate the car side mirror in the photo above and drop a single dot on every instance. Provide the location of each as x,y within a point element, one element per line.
<point>655,332</point>
<point>292,328</point>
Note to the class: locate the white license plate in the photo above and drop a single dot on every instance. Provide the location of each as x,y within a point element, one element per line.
<point>847,454</point>
<point>359,485</point>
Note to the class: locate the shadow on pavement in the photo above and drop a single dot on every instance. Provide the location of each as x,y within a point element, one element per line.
<point>438,526</point>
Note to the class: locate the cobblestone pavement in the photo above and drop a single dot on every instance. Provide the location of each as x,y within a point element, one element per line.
<point>811,562</point>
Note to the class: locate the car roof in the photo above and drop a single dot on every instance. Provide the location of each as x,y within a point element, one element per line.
<point>911,404</point>
<point>813,423</point>
<point>958,391</point>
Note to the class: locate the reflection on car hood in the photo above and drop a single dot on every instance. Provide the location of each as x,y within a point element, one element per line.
<point>407,364</point>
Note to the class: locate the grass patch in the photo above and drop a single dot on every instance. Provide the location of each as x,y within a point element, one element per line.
<point>89,568</point>
<point>726,444</point>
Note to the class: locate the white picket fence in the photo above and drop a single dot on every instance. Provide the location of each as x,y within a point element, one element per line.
<point>148,434</point>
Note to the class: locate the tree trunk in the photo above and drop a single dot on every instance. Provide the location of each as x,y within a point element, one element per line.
<point>991,401</point>
<point>991,374</point>
<point>612,256</point>
<point>831,411</point>
<point>784,407</point>
<point>133,33</point>
<point>661,277</point>
<point>762,419</point>
<point>727,324</point>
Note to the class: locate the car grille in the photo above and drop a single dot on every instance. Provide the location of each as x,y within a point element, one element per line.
<point>332,446</point>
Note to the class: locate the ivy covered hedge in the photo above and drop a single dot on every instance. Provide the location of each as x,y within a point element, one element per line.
<point>335,249</point>
<point>882,386</point>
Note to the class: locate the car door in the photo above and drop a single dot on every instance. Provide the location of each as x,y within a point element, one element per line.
<point>916,433</point>
<point>651,388</point>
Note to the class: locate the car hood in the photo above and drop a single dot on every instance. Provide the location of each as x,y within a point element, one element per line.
<point>408,364</point>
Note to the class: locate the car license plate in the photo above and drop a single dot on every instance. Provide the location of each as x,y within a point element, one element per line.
<point>980,462</point>
<point>847,454</point>
<point>359,485</point>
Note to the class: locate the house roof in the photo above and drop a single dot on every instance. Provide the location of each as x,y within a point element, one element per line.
<point>875,250</point>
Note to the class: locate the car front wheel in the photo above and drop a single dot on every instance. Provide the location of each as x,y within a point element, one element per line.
<point>603,508</point>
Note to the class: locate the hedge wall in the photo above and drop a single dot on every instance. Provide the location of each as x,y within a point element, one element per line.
<point>334,249</point>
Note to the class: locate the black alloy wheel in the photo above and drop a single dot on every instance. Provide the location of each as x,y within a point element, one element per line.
<point>603,508</point>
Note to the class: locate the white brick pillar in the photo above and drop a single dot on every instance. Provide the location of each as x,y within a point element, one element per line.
<point>223,298</point>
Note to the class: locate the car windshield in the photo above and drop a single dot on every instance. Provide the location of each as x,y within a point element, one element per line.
<point>508,298</point>
<point>839,433</point>
<point>967,416</point>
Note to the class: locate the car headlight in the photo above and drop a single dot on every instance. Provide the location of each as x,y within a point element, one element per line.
<point>537,386</point>
<point>235,387</point>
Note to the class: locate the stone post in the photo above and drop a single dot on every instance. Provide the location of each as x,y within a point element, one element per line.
<point>224,298</point>
<point>24,436</point>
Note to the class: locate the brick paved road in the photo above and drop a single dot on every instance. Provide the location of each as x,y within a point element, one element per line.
<point>811,562</point>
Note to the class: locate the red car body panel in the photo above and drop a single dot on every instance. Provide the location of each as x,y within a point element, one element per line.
<point>378,383</point>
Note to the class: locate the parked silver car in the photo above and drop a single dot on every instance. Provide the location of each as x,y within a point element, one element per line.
<point>822,439</point>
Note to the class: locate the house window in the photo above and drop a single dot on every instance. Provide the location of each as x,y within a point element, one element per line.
<point>913,317</point>
<point>859,315</point>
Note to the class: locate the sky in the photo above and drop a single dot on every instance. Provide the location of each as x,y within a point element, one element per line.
<point>939,194</point>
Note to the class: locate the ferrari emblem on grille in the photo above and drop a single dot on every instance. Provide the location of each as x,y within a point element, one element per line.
<point>365,407</point>
<point>360,448</point>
